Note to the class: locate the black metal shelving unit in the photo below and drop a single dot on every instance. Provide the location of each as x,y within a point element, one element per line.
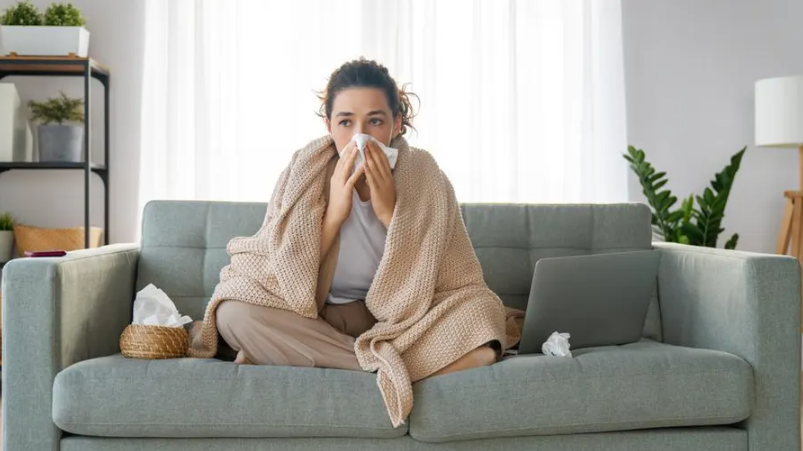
<point>70,66</point>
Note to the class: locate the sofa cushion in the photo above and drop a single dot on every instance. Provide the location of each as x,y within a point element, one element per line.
<point>637,386</point>
<point>509,239</point>
<point>184,244</point>
<point>119,397</point>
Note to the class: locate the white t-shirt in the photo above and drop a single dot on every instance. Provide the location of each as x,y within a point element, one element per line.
<point>362,243</point>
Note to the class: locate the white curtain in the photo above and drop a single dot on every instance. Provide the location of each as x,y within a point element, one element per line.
<point>521,101</point>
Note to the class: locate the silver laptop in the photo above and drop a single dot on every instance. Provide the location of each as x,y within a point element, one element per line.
<point>599,299</point>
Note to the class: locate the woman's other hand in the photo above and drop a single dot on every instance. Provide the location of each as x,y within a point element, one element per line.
<point>380,181</point>
<point>341,189</point>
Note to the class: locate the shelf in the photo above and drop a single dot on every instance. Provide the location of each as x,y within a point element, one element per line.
<point>52,66</point>
<point>85,68</point>
<point>7,166</point>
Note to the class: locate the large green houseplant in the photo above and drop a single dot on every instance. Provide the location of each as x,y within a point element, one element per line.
<point>696,223</point>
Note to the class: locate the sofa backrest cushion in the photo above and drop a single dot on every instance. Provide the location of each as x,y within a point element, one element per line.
<point>510,238</point>
<point>184,244</point>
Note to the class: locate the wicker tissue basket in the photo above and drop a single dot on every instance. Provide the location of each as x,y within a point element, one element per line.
<point>154,342</point>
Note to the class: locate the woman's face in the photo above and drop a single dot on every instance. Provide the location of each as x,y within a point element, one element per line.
<point>362,110</point>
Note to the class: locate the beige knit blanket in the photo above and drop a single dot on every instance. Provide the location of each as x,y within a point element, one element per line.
<point>428,295</point>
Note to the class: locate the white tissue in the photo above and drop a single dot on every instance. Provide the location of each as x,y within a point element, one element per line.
<point>361,139</point>
<point>557,344</point>
<point>152,307</point>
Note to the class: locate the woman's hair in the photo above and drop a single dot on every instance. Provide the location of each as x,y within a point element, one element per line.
<point>363,73</point>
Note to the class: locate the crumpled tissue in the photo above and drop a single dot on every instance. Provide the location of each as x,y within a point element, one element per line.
<point>557,344</point>
<point>152,307</point>
<point>361,139</point>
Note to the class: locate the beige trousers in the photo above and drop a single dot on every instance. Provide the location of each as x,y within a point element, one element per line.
<point>269,336</point>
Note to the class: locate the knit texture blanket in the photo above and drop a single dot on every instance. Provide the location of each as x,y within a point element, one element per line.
<point>428,295</point>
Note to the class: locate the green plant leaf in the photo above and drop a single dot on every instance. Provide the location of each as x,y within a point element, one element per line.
<point>22,14</point>
<point>731,243</point>
<point>58,109</point>
<point>63,15</point>
<point>664,218</point>
<point>687,208</point>
<point>712,203</point>
<point>6,221</point>
<point>662,200</point>
<point>675,216</point>
<point>708,195</point>
<point>695,235</point>
<point>702,203</point>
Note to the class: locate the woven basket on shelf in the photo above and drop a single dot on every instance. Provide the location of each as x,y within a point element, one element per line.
<point>29,238</point>
<point>154,342</point>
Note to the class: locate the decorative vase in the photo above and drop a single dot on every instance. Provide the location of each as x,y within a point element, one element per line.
<point>44,40</point>
<point>60,143</point>
<point>6,245</point>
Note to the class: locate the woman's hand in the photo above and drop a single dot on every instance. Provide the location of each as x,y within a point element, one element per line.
<point>380,181</point>
<point>341,188</point>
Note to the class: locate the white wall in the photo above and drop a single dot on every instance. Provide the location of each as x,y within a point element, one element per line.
<point>690,66</point>
<point>55,198</point>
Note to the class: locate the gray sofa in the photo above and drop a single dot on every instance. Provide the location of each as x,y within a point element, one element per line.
<point>718,367</point>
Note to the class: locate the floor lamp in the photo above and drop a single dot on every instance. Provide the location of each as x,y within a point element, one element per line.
<point>779,123</point>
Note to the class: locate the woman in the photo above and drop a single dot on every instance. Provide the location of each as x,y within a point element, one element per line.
<point>365,268</point>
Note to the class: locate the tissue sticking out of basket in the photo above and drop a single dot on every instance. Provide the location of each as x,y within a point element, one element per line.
<point>153,307</point>
<point>157,331</point>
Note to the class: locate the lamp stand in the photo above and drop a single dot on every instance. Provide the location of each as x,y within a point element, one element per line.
<point>792,221</point>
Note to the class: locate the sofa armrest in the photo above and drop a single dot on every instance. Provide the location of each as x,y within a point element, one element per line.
<point>747,304</point>
<point>56,312</point>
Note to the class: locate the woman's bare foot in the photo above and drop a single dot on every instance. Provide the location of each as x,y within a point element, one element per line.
<point>242,359</point>
<point>482,356</point>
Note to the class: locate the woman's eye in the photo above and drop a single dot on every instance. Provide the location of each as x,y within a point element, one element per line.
<point>376,121</point>
<point>345,122</point>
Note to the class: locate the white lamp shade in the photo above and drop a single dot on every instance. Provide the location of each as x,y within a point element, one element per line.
<point>779,112</point>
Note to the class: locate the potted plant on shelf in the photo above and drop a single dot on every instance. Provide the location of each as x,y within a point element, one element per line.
<point>6,237</point>
<point>60,31</point>
<point>60,139</point>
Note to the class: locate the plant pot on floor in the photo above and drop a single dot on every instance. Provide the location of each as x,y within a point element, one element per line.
<point>60,143</point>
<point>6,245</point>
<point>44,40</point>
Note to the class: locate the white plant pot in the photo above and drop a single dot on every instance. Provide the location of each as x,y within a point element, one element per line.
<point>44,41</point>
<point>6,245</point>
